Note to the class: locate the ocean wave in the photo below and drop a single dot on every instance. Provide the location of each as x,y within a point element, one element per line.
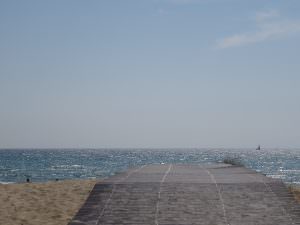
<point>2,182</point>
<point>277,176</point>
<point>290,171</point>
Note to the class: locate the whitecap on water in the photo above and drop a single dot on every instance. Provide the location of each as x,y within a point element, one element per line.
<point>277,176</point>
<point>1,182</point>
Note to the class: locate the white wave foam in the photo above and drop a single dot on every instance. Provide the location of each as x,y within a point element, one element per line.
<point>2,182</point>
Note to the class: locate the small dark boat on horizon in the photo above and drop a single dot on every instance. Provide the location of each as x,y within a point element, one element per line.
<point>258,147</point>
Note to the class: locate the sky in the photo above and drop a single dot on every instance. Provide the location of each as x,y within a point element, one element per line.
<point>149,73</point>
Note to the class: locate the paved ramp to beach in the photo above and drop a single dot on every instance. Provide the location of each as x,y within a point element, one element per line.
<point>210,194</point>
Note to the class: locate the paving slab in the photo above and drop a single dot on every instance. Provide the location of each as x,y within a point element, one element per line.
<point>188,194</point>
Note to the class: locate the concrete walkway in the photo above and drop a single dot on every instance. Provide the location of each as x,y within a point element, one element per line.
<point>211,194</point>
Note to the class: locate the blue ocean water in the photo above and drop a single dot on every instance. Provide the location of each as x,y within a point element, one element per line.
<point>50,164</point>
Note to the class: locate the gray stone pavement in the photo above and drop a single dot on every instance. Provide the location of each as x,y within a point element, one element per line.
<point>210,194</point>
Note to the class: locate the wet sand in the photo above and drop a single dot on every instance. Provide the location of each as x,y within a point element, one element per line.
<point>51,203</point>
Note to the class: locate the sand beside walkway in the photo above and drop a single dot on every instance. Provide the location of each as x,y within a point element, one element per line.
<point>51,203</point>
<point>296,192</point>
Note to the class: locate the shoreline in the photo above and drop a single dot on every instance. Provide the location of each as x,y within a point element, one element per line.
<point>49,203</point>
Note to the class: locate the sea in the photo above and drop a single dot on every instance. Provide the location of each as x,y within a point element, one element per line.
<point>40,165</point>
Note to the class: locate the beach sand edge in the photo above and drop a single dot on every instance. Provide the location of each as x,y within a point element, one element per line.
<point>49,203</point>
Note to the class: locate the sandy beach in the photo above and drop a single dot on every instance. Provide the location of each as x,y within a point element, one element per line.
<point>296,192</point>
<point>50,203</point>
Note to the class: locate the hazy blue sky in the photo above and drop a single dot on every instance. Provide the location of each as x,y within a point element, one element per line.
<point>150,73</point>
